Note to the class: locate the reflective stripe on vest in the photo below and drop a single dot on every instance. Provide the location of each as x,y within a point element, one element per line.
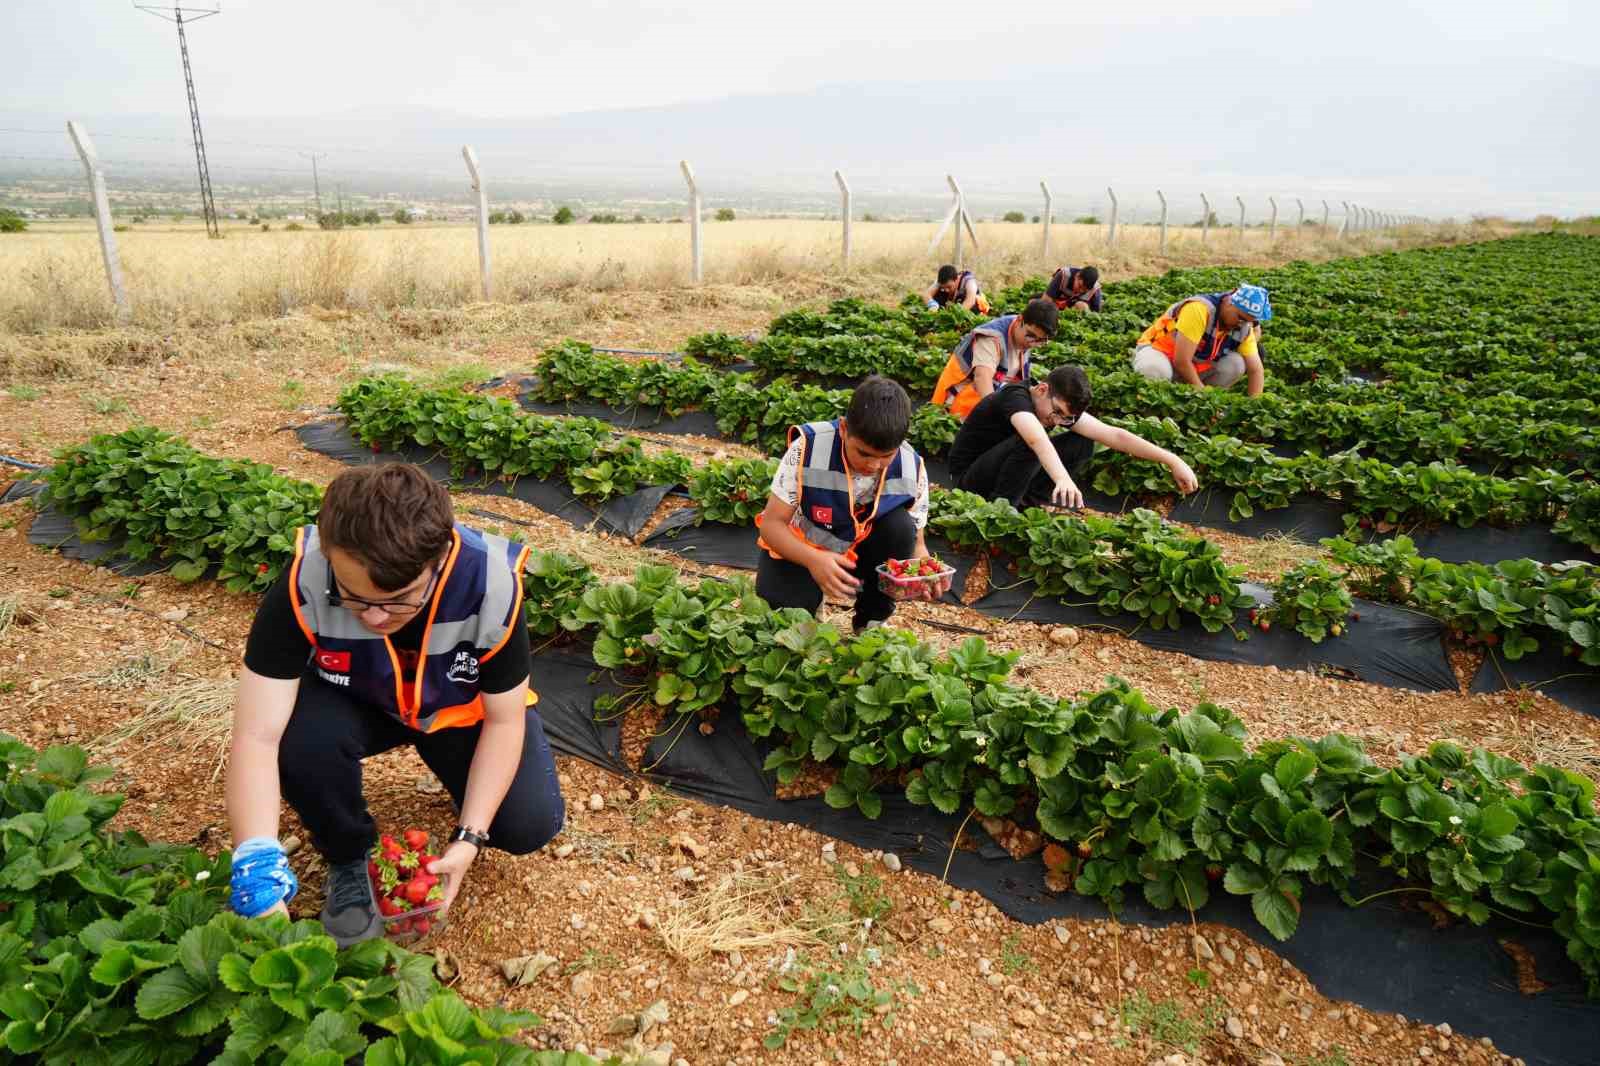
<point>826,515</point>
<point>961,360</point>
<point>468,622</point>
<point>1212,345</point>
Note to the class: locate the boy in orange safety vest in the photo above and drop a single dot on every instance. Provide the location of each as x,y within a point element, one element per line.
<point>994,355</point>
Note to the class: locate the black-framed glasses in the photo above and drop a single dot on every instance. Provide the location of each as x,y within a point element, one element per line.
<point>393,608</point>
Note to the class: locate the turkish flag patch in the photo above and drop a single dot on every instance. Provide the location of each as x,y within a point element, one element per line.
<point>822,516</point>
<point>335,661</point>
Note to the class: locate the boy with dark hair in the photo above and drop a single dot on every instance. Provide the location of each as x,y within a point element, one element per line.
<point>993,355</point>
<point>849,495</point>
<point>1004,453</point>
<point>958,285</point>
<point>1077,288</point>
<point>394,625</point>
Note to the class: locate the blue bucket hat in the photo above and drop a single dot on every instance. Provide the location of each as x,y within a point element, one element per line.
<point>1252,300</point>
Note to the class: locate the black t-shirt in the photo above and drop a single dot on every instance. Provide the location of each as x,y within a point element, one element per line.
<point>988,424</point>
<point>278,648</point>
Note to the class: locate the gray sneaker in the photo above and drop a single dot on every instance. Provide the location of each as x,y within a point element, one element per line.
<point>349,915</point>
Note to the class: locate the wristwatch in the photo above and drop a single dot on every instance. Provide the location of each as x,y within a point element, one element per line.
<point>471,836</point>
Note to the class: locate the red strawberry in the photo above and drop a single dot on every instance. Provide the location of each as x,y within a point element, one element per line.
<point>420,925</point>
<point>402,926</point>
<point>372,869</point>
<point>416,890</point>
<point>428,861</point>
<point>386,842</point>
<point>1214,873</point>
<point>388,907</point>
<point>262,568</point>
<point>1084,849</point>
<point>1213,599</point>
<point>416,839</point>
<point>1491,639</point>
<point>1266,625</point>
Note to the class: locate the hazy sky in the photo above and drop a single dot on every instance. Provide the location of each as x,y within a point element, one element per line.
<point>1119,69</point>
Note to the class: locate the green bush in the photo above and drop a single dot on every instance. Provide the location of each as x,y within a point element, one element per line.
<point>563,215</point>
<point>11,222</point>
<point>1014,216</point>
<point>724,214</point>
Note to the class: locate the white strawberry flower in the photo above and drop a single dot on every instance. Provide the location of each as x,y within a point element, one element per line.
<point>1455,819</point>
<point>203,875</point>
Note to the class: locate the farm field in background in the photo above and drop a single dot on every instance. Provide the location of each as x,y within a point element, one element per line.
<point>51,276</point>
<point>1383,372</point>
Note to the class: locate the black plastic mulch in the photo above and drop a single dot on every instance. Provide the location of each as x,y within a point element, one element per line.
<point>1549,670</point>
<point>1385,956</point>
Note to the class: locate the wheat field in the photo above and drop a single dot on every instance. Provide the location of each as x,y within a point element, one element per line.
<point>52,278</point>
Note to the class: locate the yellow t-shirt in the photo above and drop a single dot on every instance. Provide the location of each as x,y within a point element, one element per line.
<point>1192,324</point>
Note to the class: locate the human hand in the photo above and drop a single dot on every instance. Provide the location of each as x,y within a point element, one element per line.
<point>1185,478</point>
<point>451,869</point>
<point>279,907</point>
<point>933,305</point>
<point>1066,494</point>
<point>832,573</point>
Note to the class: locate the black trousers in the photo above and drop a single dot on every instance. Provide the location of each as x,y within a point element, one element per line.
<point>330,732</point>
<point>1010,470</point>
<point>785,584</point>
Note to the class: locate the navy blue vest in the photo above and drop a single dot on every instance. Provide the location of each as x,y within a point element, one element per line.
<point>468,620</point>
<point>826,516</point>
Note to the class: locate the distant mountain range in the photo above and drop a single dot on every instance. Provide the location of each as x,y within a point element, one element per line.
<point>1228,124</point>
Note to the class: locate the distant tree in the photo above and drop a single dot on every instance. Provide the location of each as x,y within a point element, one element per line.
<point>266,226</point>
<point>724,214</point>
<point>294,227</point>
<point>869,217</point>
<point>371,218</point>
<point>11,222</point>
<point>515,217</point>
<point>496,217</point>
<point>563,215</point>
<point>402,216</point>
<point>604,219</point>
<point>330,220</point>
<point>1013,216</point>
<point>1087,220</point>
<point>638,218</point>
<point>1211,221</point>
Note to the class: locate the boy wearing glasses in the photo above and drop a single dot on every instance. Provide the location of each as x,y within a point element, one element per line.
<point>393,626</point>
<point>1004,452</point>
<point>994,355</point>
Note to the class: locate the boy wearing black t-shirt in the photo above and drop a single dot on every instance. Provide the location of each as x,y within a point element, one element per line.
<point>1003,451</point>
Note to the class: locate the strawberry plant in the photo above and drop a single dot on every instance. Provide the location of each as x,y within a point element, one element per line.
<point>552,585</point>
<point>1311,599</point>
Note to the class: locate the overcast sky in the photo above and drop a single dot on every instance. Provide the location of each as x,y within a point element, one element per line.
<point>1126,75</point>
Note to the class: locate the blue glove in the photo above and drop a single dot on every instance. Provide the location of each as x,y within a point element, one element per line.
<point>933,305</point>
<point>261,877</point>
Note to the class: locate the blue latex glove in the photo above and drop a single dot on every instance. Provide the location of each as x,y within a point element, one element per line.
<point>933,305</point>
<point>261,877</point>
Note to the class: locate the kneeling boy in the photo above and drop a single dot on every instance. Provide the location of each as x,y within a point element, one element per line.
<point>849,495</point>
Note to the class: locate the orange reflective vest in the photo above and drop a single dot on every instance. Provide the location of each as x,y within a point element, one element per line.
<point>955,390</point>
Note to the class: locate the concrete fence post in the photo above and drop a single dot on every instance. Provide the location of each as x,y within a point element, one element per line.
<point>1044,242</point>
<point>844,213</point>
<point>1111,232</point>
<point>1240,201</point>
<point>1163,244</point>
<point>1272,224</point>
<point>696,264</point>
<point>482,194</point>
<point>1205,219</point>
<point>102,218</point>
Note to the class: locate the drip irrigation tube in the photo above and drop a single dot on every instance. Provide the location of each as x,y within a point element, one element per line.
<point>18,462</point>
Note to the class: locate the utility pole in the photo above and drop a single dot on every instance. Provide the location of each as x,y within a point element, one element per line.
<point>315,184</point>
<point>195,10</point>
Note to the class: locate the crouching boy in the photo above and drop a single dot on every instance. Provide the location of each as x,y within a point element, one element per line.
<point>849,495</point>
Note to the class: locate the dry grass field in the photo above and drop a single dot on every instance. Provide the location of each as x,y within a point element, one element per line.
<point>51,276</point>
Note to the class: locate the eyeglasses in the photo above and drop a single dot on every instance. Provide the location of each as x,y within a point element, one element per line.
<point>1033,336</point>
<point>393,608</point>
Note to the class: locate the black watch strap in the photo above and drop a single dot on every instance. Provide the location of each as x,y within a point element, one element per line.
<point>471,836</point>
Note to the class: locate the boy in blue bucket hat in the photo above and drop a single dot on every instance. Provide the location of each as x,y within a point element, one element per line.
<point>1211,339</point>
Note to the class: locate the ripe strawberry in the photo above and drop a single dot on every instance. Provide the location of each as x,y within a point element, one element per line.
<point>386,842</point>
<point>1084,849</point>
<point>1266,625</point>
<point>372,869</point>
<point>262,568</point>
<point>1214,873</point>
<point>420,925</point>
<point>389,908</point>
<point>1491,639</point>
<point>402,926</point>
<point>1365,522</point>
<point>1214,599</point>
<point>416,839</point>
<point>416,891</point>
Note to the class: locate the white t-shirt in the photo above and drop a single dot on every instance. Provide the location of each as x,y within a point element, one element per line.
<point>786,485</point>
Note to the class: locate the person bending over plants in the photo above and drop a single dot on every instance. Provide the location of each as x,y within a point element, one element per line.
<point>956,286</point>
<point>992,355</point>
<point>849,495</point>
<point>1213,339</point>
<point>1075,288</point>
<point>1004,452</point>
<point>393,626</point>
